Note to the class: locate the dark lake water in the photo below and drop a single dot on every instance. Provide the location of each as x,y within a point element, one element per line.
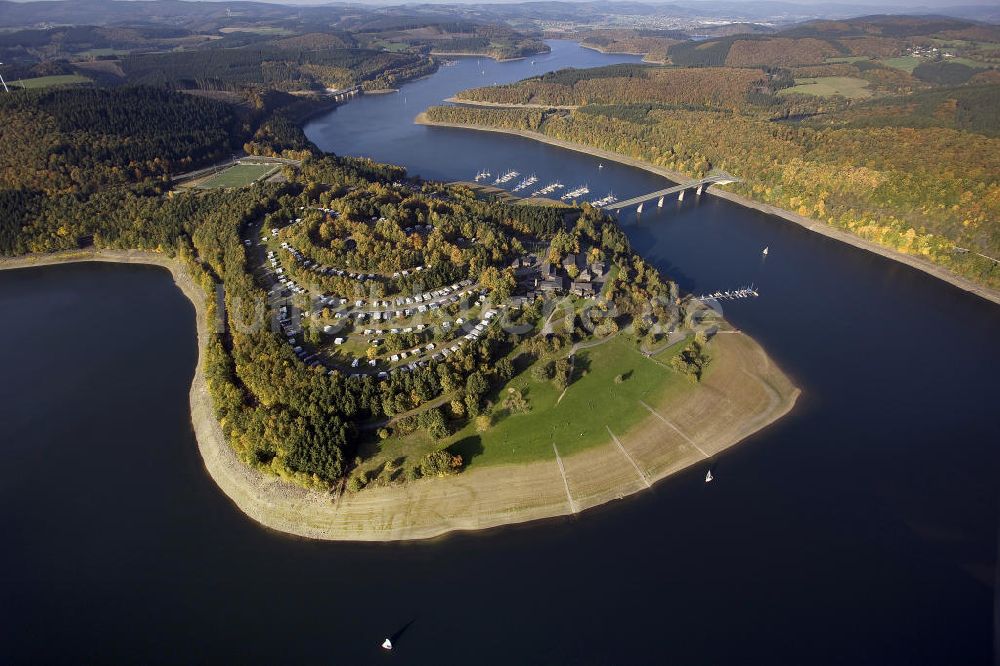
<point>862,528</point>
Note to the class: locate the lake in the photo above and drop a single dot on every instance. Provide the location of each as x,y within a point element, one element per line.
<point>861,528</point>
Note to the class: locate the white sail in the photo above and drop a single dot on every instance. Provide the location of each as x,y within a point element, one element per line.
<point>659,204</point>
<point>639,209</point>
<point>709,477</point>
<point>764,252</point>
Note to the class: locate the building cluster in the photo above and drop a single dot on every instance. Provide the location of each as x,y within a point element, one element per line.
<point>928,52</point>
<point>405,306</point>
<point>573,275</point>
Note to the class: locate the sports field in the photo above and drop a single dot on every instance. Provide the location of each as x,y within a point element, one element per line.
<point>239,175</point>
<point>828,86</point>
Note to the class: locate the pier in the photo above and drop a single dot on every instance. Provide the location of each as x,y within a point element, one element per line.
<point>736,294</point>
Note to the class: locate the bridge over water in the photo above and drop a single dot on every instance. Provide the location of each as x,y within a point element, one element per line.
<point>343,94</point>
<point>720,178</point>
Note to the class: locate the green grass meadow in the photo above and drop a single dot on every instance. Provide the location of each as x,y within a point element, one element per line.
<point>828,86</point>
<point>49,81</point>
<point>239,175</point>
<point>579,421</point>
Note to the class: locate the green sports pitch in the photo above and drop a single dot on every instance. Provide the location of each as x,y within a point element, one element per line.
<point>238,175</point>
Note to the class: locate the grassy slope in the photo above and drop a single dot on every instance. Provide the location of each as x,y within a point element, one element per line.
<point>577,422</point>
<point>827,86</point>
<point>48,81</point>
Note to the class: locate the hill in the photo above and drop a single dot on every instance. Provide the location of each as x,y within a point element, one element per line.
<point>857,141</point>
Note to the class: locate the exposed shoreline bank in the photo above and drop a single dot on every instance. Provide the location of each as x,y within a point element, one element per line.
<point>744,390</point>
<point>472,102</point>
<point>467,54</point>
<point>822,228</point>
<point>645,56</point>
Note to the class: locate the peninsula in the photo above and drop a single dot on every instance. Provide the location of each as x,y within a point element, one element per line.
<point>389,358</point>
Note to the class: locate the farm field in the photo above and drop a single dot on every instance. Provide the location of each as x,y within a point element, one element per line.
<point>905,63</point>
<point>97,53</point>
<point>257,30</point>
<point>828,86</point>
<point>49,81</point>
<point>848,59</point>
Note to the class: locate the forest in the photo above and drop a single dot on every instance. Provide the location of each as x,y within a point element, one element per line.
<point>654,44</point>
<point>273,68</point>
<point>721,88</point>
<point>80,139</point>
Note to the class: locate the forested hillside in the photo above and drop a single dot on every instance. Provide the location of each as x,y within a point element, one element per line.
<point>274,68</point>
<point>916,172</point>
<point>80,139</point>
<point>654,44</point>
<point>723,88</point>
<point>819,41</point>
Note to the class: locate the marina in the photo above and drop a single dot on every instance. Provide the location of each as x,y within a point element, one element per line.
<point>506,177</point>
<point>736,294</point>
<point>548,189</point>
<point>575,193</point>
<point>526,183</point>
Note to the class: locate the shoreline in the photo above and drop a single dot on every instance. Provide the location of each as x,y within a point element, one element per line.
<point>914,261</point>
<point>748,389</point>
<point>473,102</point>
<point>645,56</point>
<point>468,54</point>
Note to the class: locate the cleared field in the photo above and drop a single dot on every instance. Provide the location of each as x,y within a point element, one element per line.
<point>257,30</point>
<point>392,47</point>
<point>239,175</point>
<point>97,53</point>
<point>48,81</point>
<point>969,62</point>
<point>828,86</point>
<point>848,59</point>
<point>905,63</point>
